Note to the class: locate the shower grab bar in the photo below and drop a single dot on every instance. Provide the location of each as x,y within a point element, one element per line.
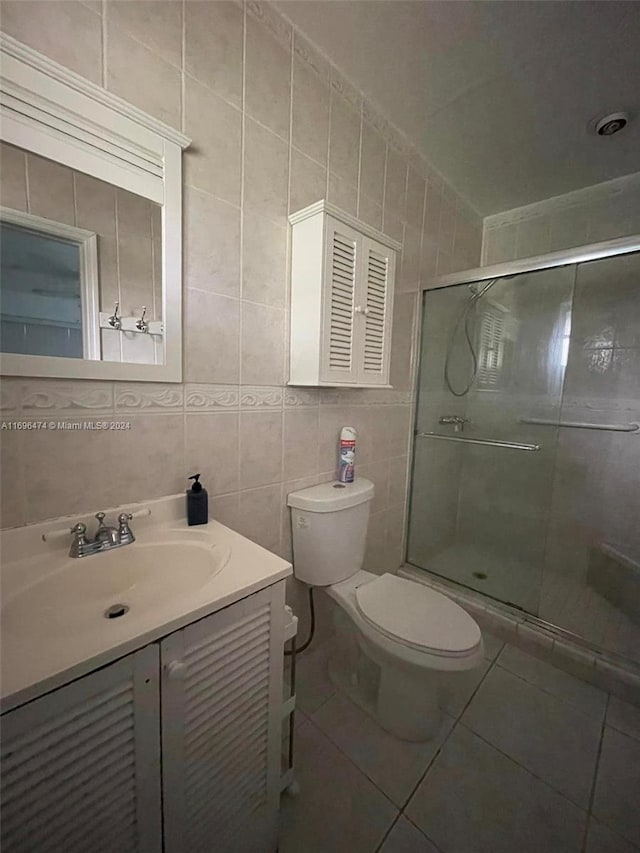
<point>512,445</point>
<point>582,425</point>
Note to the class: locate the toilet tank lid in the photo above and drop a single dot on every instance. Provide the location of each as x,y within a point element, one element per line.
<point>330,497</point>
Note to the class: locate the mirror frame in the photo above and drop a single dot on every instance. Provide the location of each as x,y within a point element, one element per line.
<point>49,110</point>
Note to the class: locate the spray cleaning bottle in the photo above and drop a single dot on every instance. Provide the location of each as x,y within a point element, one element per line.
<point>347,458</point>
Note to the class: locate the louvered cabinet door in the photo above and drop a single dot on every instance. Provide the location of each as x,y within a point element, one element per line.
<point>338,363</point>
<point>221,709</point>
<point>374,311</point>
<point>81,766</point>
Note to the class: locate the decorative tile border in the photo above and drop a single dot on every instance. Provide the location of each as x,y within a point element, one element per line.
<point>66,396</point>
<point>295,398</point>
<point>261,397</point>
<point>277,24</point>
<point>211,398</point>
<point>148,396</point>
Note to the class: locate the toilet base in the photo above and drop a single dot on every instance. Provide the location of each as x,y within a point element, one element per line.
<point>405,701</point>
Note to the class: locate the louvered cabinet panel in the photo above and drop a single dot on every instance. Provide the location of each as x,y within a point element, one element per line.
<point>80,766</point>
<point>376,300</point>
<point>339,343</point>
<point>342,280</point>
<point>221,697</point>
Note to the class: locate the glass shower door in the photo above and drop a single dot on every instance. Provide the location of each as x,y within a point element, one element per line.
<point>493,363</point>
<point>591,582</point>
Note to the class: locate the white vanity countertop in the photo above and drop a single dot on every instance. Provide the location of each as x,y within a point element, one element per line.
<point>36,659</point>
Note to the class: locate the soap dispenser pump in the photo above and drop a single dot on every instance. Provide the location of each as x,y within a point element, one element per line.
<point>197,502</point>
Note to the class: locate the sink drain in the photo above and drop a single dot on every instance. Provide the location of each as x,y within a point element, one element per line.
<point>115,611</point>
<point>480,575</point>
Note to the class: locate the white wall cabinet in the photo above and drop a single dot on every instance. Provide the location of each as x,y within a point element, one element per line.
<point>175,747</point>
<point>342,283</point>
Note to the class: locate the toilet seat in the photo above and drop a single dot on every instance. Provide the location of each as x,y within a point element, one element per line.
<point>417,616</point>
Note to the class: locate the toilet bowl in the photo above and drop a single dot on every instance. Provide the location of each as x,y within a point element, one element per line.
<point>409,633</point>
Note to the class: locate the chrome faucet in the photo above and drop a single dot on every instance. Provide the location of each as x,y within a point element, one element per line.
<point>457,421</point>
<point>106,538</point>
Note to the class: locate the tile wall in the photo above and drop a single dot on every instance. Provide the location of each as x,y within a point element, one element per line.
<point>600,212</point>
<point>274,128</point>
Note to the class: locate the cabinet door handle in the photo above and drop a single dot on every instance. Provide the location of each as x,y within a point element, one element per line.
<point>360,310</point>
<point>175,670</point>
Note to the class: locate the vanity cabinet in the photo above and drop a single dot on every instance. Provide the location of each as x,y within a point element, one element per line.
<point>221,717</point>
<point>175,747</point>
<point>342,284</point>
<point>81,765</point>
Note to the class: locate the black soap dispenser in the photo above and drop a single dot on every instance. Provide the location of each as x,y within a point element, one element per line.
<point>197,502</point>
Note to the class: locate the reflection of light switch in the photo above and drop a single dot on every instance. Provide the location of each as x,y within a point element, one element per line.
<point>303,524</point>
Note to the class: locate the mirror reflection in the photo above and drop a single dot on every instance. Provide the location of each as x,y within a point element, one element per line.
<point>81,265</point>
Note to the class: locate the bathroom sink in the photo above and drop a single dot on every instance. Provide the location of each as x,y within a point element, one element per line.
<point>132,580</point>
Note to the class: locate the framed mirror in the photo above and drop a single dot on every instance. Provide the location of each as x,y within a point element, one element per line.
<point>90,229</point>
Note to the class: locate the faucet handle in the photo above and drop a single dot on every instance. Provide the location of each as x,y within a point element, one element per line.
<point>124,531</point>
<point>101,517</point>
<point>79,530</point>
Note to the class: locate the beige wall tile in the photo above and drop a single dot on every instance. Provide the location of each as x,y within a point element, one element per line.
<point>267,78</point>
<point>343,195</point>
<point>213,161</point>
<point>211,243</point>
<point>157,24</point>
<point>157,82</point>
<point>212,443</point>
<point>264,261</point>
<point>344,139</point>
<point>64,30</point>
<point>262,344</point>
<point>311,98</point>
<point>212,337</point>
<point>266,163</point>
<point>416,189</point>
<point>395,183</point>
<point>259,516</point>
<point>260,449</point>
<point>300,442</point>
<point>13,508</point>
<point>370,212</point>
<point>409,275</point>
<point>372,164</point>
<point>50,190</point>
<point>404,309</point>
<point>308,181</point>
<point>13,177</point>
<point>213,46</point>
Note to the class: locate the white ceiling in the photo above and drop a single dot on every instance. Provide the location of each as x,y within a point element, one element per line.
<point>498,95</point>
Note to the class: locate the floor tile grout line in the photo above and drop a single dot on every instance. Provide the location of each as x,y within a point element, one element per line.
<point>525,768</point>
<point>352,762</point>
<point>594,781</point>
<point>555,695</point>
<point>456,720</point>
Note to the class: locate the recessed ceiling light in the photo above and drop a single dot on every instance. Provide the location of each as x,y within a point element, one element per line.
<point>610,124</point>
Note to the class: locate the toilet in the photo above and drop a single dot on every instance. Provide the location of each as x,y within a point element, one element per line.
<point>395,637</point>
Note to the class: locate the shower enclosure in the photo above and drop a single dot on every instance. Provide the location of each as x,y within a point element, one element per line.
<point>526,467</point>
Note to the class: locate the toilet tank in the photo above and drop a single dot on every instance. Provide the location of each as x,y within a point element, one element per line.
<point>329,530</point>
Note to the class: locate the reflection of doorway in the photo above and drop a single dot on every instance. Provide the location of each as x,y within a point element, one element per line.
<point>48,295</point>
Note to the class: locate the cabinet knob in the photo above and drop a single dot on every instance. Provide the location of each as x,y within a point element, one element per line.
<point>175,670</point>
<point>360,310</point>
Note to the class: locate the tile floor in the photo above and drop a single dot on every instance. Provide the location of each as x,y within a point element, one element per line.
<point>528,759</point>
